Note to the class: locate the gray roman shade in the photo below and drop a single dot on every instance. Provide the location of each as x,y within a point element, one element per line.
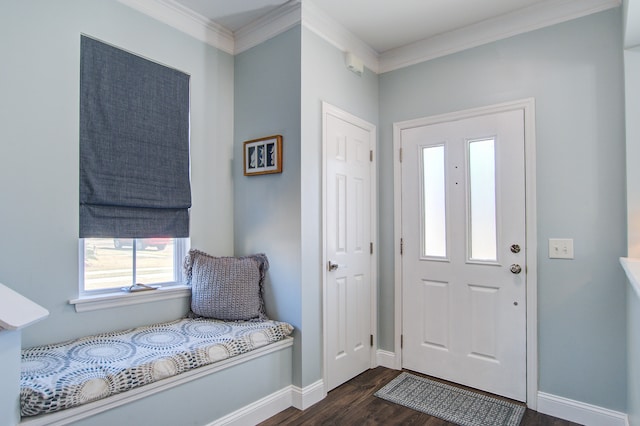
<point>134,146</point>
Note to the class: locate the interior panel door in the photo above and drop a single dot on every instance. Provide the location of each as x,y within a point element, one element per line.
<point>348,283</point>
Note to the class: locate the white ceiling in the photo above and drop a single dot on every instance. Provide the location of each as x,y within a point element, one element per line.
<point>382,24</point>
<point>387,24</point>
<point>232,14</point>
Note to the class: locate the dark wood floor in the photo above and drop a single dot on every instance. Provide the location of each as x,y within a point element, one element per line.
<point>353,403</point>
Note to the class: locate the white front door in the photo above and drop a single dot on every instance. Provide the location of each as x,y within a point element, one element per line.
<point>463,261</point>
<point>348,143</point>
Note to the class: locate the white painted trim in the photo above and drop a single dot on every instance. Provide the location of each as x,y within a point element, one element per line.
<point>528,106</point>
<point>579,412</point>
<point>387,359</point>
<point>543,14</point>
<point>18,312</point>
<point>186,20</point>
<point>305,398</point>
<point>261,410</point>
<point>268,26</point>
<point>87,410</point>
<point>376,247</point>
<point>258,411</point>
<point>317,21</point>
<point>328,109</point>
<point>117,299</point>
<point>397,235</point>
<point>539,15</point>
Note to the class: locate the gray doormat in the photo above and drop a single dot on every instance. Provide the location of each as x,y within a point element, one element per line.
<point>450,403</point>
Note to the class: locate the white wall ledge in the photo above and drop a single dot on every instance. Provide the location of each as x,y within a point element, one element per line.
<point>16,311</point>
<point>632,268</point>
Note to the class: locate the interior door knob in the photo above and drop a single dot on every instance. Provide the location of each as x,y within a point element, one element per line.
<point>516,269</point>
<point>332,266</point>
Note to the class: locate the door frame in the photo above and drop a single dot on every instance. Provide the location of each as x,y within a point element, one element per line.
<point>328,109</point>
<point>528,107</point>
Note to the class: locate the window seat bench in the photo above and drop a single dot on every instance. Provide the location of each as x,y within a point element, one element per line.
<point>92,374</point>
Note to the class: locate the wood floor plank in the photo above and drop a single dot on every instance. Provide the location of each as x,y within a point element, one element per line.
<point>353,403</point>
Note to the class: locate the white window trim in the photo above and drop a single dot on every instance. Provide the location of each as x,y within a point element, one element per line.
<point>115,299</point>
<point>92,301</point>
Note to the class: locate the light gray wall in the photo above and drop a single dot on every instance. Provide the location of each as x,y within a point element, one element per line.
<point>279,89</point>
<point>40,50</point>
<point>574,72</point>
<point>10,373</point>
<point>267,207</point>
<point>324,78</point>
<point>632,110</point>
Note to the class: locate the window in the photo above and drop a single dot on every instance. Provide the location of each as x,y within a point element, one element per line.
<point>115,263</point>
<point>434,214</point>
<point>135,191</point>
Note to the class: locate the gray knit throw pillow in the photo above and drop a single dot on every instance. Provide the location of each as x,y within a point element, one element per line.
<point>226,288</point>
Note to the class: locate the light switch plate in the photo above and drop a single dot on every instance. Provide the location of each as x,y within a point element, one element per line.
<point>560,248</point>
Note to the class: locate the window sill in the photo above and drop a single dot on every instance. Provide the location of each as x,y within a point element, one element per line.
<point>119,298</point>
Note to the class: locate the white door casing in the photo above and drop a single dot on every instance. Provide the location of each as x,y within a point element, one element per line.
<point>349,231</point>
<point>462,318</point>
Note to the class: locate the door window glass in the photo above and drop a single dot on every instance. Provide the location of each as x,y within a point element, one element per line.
<point>434,223</point>
<point>482,200</point>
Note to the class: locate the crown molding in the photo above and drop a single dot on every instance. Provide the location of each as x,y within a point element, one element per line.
<point>317,21</point>
<point>549,12</point>
<point>187,21</point>
<point>268,26</point>
<point>543,14</point>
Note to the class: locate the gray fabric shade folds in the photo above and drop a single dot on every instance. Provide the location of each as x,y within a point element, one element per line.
<point>134,146</point>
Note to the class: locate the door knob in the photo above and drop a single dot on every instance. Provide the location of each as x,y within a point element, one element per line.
<point>332,266</point>
<point>516,269</point>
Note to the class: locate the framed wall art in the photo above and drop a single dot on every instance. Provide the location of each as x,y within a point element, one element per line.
<point>263,156</point>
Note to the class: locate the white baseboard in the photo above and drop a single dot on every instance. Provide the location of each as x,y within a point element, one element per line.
<point>579,412</point>
<point>305,398</point>
<point>269,406</point>
<point>563,408</point>
<point>387,359</point>
<point>258,411</point>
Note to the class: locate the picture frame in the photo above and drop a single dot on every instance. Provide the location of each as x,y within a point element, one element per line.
<point>263,156</point>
